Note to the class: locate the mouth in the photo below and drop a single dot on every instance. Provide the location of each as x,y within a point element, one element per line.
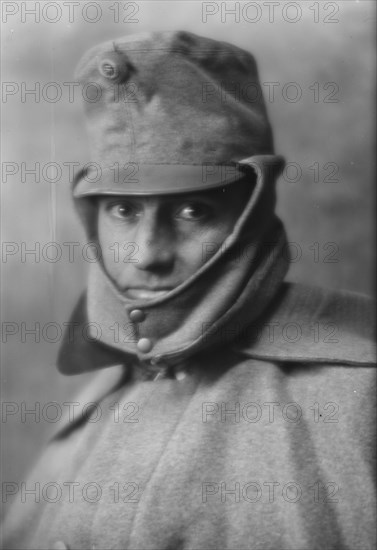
<point>146,293</point>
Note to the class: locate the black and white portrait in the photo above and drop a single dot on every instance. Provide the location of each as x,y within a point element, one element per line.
<point>188,268</point>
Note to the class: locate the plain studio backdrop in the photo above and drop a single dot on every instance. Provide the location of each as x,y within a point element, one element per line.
<point>316,65</point>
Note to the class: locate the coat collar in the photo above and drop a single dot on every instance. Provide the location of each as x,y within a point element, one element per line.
<point>303,324</point>
<point>313,325</point>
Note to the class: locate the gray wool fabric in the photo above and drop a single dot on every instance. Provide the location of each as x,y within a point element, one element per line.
<point>250,422</point>
<point>230,289</point>
<point>168,98</point>
<point>257,447</point>
<point>169,112</point>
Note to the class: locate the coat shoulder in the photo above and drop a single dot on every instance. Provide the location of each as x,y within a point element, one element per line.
<point>313,324</point>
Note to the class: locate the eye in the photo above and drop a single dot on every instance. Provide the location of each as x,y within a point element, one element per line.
<point>121,210</point>
<point>194,211</point>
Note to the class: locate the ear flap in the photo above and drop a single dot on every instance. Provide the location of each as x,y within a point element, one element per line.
<point>86,208</point>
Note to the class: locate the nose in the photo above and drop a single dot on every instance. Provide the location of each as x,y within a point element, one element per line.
<point>155,244</point>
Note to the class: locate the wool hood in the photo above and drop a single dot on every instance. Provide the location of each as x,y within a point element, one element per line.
<point>232,288</point>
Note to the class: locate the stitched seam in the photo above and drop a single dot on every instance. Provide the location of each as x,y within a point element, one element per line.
<point>132,530</point>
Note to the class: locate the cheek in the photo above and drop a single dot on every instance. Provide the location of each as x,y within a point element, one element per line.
<point>200,246</point>
<point>190,257</point>
<point>110,239</point>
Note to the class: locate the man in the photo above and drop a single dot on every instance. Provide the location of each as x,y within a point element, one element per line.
<point>210,425</point>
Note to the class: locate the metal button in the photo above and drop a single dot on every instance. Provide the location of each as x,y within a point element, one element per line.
<point>180,375</point>
<point>144,345</point>
<point>114,66</point>
<point>137,316</point>
<point>108,69</point>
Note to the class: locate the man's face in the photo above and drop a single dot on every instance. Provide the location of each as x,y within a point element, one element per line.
<point>152,244</point>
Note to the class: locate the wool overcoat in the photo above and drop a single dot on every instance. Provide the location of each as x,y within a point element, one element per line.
<point>266,443</point>
<point>235,412</point>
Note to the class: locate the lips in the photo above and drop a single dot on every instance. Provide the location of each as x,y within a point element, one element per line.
<point>146,293</point>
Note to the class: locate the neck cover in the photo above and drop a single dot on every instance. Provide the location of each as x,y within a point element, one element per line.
<point>226,294</point>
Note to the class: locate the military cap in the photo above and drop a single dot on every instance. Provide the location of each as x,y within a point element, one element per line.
<point>169,112</point>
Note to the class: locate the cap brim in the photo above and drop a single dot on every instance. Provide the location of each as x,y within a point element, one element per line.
<point>157,179</point>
